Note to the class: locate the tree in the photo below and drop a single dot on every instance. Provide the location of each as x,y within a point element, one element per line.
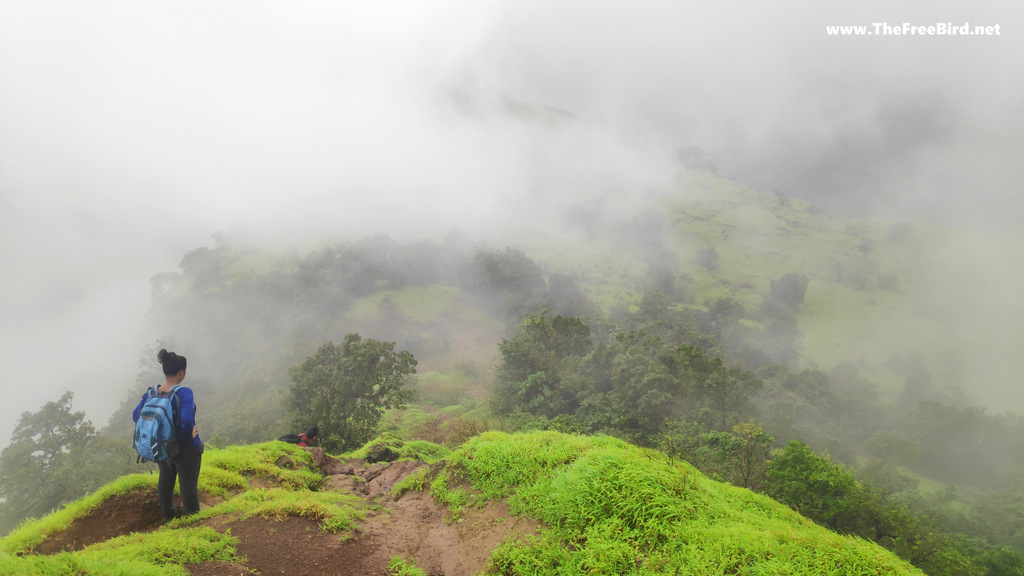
<point>659,316</point>
<point>740,457</point>
<point>345,389</point>
<point>566,297</point>
<point>535,361</point>
<point>828,494</point>
<point>717,395</point>
<point>510,279</point>
<point>811,484</point>
<point>750,453</point>
<point>707,258</point>
<point>45,462</point>
<point>785,296</point>
<point>696,158</point>
<point>643,392</point>
<point>203,267</point>
<point>724,313</point>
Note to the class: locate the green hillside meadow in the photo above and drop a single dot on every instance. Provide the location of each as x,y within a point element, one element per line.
<point>605,507</point>
<point>879,289</point>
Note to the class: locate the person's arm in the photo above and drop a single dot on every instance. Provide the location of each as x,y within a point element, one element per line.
<point>187,416</point>
<point>135,413</point>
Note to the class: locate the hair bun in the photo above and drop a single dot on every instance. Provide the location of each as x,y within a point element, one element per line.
<point>171,362</point>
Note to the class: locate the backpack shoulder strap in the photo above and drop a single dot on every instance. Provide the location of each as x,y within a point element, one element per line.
<point>177,404</point>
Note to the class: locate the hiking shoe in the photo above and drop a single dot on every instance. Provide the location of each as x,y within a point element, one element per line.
<point>176,512</point>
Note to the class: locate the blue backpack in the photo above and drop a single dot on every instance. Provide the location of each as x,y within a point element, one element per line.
<point>156,435</point>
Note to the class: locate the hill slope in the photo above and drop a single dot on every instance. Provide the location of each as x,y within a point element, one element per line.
<point>888,301</point>
<point>880,292</point>
<point>537,503</point>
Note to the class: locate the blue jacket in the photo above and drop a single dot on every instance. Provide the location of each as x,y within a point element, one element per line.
<point>186,417</point>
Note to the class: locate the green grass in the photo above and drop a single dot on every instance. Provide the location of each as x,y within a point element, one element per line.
<point>226,473</point>
<point>607,507</point>
<point>415,303</point>
<point>32,532</point>
<point>423,451</point>
<point>403,423</point>
<point>613,508</point>
<point>399,567</point>
<point>162,552</point>
<point>420,450</point>
<point>336,511</point>
<point>415,481</point>
<point>227,469</point>
<point>444,389</point>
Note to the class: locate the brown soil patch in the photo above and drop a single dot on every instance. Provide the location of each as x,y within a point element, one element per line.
<point>413,528</point>
<point>137,511</point>
<point>293,546</point>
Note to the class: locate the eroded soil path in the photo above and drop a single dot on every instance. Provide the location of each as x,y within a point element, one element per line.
<point>412,527</point>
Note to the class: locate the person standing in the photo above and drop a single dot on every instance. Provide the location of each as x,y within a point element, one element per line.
<point>184,466</point>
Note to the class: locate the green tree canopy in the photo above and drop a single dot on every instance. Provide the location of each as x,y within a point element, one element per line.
<point>344,389</point>
<point>811,484</point>
<point>44,463</point>
<point>718,395</point>
<point>536,364</point>
<point>785,296</point>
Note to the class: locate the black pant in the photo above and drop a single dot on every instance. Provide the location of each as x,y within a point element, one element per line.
<point>185,468</point>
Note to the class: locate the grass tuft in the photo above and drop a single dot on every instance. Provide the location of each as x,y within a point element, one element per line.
<point>399,567</point>
<point>612,508</point>
<point>336,511</point>
<point>413,481</point>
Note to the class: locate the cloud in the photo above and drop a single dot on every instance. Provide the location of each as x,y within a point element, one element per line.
<point>848,121</point>
<point>131,132</point>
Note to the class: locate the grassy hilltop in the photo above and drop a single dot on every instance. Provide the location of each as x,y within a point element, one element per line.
<point>533,503</point>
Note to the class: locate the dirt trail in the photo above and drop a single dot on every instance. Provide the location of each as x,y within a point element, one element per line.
<point>413,527</point>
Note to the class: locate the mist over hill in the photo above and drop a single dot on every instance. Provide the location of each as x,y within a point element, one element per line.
<point>888,297</point>
<point>690,227</point>
<point>132,134</point>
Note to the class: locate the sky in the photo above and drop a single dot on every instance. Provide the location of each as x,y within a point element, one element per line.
<point>132,132</point>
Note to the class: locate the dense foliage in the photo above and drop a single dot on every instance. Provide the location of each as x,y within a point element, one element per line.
<point>343,390</point>
<point>629,387</point>
<point>55,455</point>
<point>694,406</point>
